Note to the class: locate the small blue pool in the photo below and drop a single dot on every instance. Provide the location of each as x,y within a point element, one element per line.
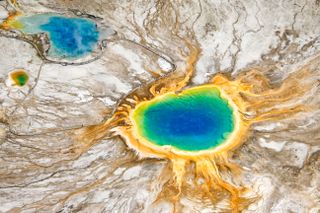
<point>69,37</point>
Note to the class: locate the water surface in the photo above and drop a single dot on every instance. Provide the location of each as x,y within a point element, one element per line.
<point>19,77</point>
<point>197,119</point>
<point>69,37</point>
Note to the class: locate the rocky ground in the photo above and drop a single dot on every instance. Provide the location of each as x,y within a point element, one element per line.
<point>41,172</point>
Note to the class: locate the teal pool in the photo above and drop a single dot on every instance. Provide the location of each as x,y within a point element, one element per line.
<point>69,37</point>
<point>194,120</point>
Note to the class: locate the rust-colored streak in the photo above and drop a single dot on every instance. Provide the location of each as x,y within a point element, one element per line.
<point>6,24</point>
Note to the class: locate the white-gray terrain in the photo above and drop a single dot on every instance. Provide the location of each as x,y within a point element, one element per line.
<point>42,170</point>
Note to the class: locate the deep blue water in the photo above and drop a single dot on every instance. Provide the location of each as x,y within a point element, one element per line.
<point>69,37</point>
<point>192,122</point>
<point>72,37</point>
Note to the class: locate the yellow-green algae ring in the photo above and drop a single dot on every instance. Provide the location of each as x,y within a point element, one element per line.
<point>138,141</point>
<point>19,77</point>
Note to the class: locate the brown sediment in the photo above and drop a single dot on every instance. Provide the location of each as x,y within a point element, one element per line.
<point>253,99</point>
<point>15,4</point>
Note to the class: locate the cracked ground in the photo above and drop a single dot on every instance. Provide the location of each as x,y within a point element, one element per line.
<point>41,170</point>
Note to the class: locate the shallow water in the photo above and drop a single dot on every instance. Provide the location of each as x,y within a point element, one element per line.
<point>197,119</point>
<point>69,37</point>
<point>19,77</point>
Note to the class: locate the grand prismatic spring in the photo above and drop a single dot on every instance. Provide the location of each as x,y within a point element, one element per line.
<point>159,106</point>
<point>158,127</point>
<point>196,120</point>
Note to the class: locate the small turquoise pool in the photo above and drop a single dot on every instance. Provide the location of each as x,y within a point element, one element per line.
<point>194,120</point>
<point>69,37</point>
